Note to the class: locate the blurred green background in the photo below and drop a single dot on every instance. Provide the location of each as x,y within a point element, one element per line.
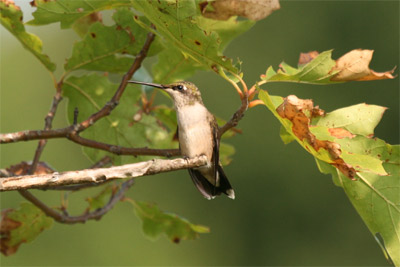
<point>286,211</point>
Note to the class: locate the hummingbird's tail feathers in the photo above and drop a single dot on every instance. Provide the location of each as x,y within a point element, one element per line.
<point>224,185</point>
<point>204,186</point>
<point>207,189</point>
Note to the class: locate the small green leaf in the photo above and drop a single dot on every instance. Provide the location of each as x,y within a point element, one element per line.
<point>22,226</point>
<point>100,199</point>
<point>358,119</point>
<point>317,71</point>
<point>67,12</point>
<point>157,222</point>
<point>126,126</point>
<point>11,19</point>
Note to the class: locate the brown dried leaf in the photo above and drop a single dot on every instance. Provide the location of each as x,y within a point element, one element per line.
<point>251,9</point>
<point>23,168</point>
<point>354,66</point>
<point>307,57</point>
<point>296,110</point>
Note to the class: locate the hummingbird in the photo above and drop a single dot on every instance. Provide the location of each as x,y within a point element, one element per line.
<point>198,135</point>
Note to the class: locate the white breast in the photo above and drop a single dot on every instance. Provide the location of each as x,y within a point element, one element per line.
<point>195,133</point>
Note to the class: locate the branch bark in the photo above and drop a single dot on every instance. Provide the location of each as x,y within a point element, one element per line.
<point>101,175</point>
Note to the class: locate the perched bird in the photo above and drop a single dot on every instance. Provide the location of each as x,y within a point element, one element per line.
<point>198,135</point>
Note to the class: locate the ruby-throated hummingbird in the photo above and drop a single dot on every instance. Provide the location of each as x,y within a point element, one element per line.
<point>198,135</point>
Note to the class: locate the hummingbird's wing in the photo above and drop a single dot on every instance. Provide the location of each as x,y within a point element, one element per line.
<point>220,178</point>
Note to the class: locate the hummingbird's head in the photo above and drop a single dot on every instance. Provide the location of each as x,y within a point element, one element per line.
<point>183,93</point>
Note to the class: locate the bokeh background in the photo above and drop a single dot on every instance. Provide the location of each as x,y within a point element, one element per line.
<point>286,211</point>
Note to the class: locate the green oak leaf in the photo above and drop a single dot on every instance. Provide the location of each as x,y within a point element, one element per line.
<point>22,226</point>
<point>67,12</point>
<point>175,23</point>
<point>357,119</point>
<point>317,71</point>
<point>157,222</point>
<point>376,198</point>
<point>173,65</point>
<point>126,126</point>
<point>11,19</point>
<point>96,52</point>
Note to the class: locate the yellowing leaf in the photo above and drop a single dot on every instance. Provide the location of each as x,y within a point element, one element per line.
<point>251,9</point>
<point>358,119</point>
<point>354,66</point>
<point>11,19</point>
<point>21,226</point>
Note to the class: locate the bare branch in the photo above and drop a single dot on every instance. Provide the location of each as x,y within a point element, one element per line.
<point>65,218</point>
<point>47,126</point>
<point>237,116</point>
<point>99,175</point>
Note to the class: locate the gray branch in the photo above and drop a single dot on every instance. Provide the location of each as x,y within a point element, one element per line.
<point>100,175</point>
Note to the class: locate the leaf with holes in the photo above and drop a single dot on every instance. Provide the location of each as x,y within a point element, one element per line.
<point>358,119</point>
<point>67,12</point>
<point>21,226</point>
<point>175,22</point>
<point>11,19</point>
<point>157,222</point>
<point>173,65</point>
<point>126,126</point>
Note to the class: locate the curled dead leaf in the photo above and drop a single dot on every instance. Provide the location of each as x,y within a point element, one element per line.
<point>251,9</point>
<point>354,66</point>
<point>299,112</point>
<point>6,226</point>
<point>23,168</point>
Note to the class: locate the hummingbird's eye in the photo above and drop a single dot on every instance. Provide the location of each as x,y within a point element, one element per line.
<point>180,87</point>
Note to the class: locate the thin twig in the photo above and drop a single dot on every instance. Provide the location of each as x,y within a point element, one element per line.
<point>47,126</point>
<point>72,132</point>
<point>95,215</point>
<point>106,110</point>
<point>99,175</point>
<point>237,116</point>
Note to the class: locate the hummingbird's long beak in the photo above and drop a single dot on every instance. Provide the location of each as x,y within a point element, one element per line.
<point>149,84</point>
